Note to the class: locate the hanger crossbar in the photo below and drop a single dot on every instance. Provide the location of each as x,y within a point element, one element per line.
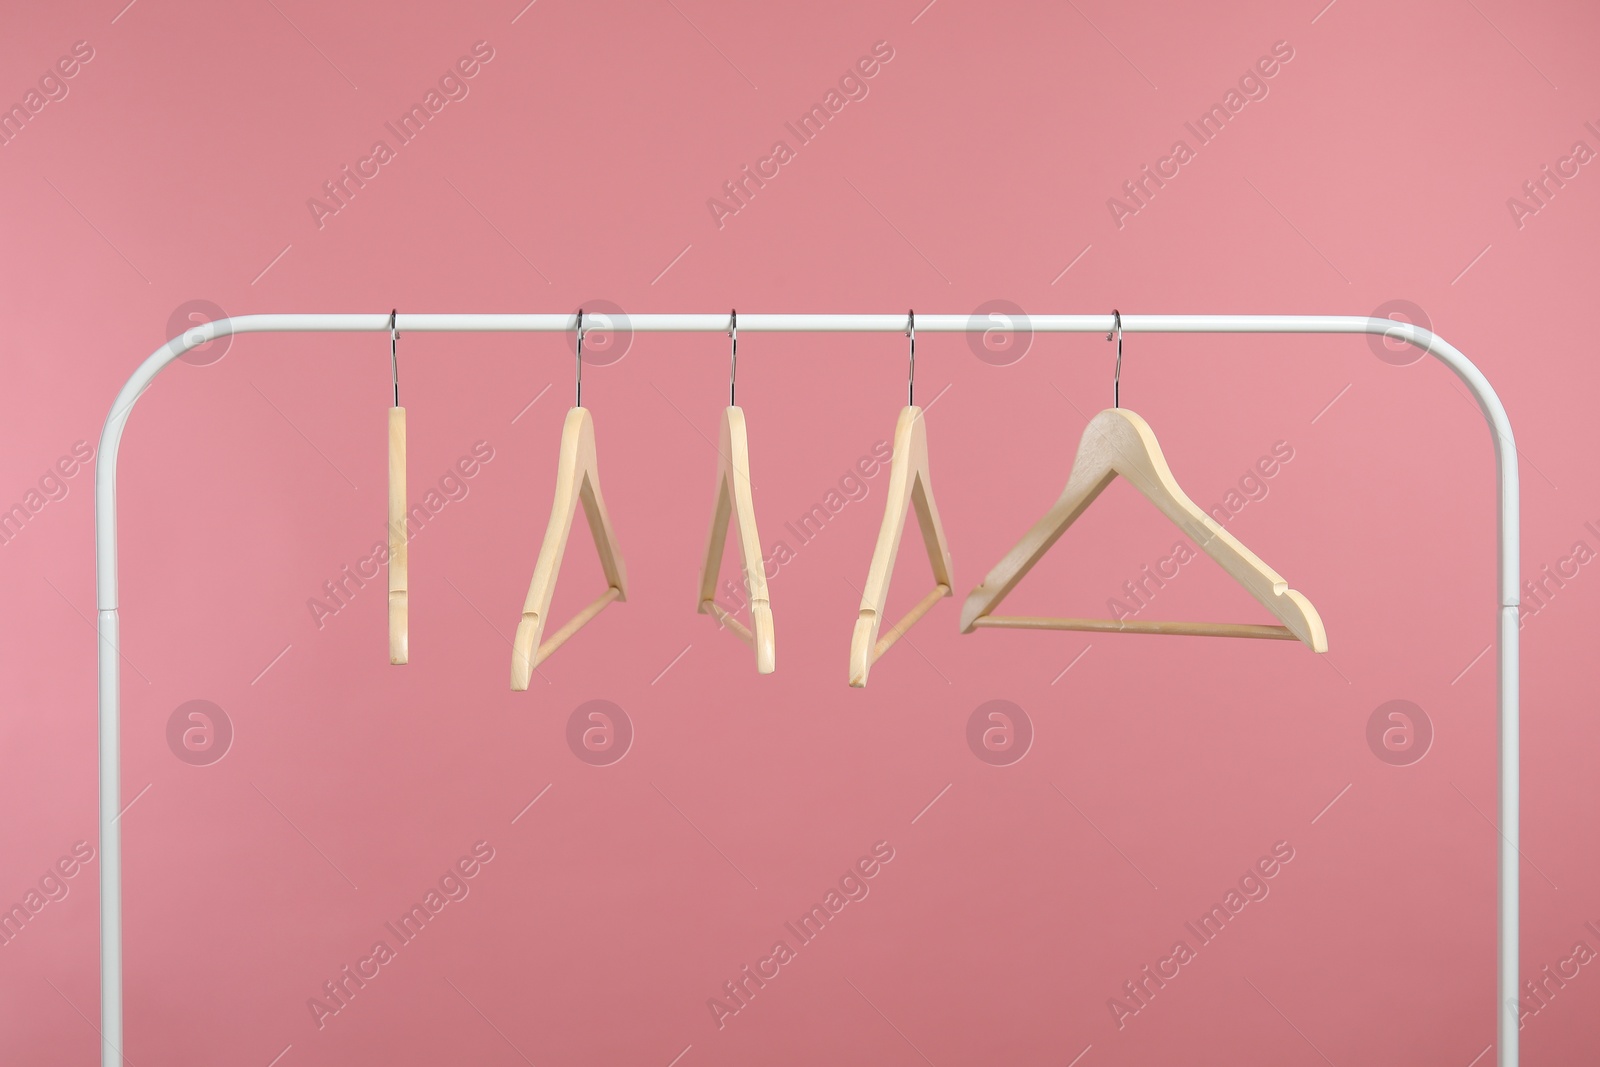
<point>725,617</point>
<point>1137,626</point>
<point>109,741</point>
<point>574,624</point>
<point>908,620</point>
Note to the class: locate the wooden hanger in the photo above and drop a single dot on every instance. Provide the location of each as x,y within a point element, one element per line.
<point>577,481</point>
<point>399,610</point>
<point>1118,442</point>
<point>909,486</point>
<point>399,620</point>
<point>734,500</point>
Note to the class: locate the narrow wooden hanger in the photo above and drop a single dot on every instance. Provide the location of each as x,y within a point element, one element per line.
<point>909,486</point>
<point>577,482</point>
<point>399,609</point>
<point>734,500</point>
<point>1119,442</point>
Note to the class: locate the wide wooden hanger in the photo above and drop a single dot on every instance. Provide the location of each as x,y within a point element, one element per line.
<point>909,487</point>
<point>1119,442</point>
<point>399,609</point>
<point>734,501</point>
<point>577,482</point>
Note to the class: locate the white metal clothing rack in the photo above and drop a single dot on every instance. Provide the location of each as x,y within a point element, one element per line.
<point>1505,453</point>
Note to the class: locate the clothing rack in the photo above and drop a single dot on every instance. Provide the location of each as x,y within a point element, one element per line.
<point>1505,453</point>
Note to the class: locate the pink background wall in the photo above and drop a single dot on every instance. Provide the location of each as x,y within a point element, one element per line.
<point>1375,165</point>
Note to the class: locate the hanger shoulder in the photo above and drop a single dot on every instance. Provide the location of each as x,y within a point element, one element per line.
<point>909,488</point>
<point>735,501</point>
<point>399,566</point>
<point>1143,463</point>
<point>577,482</point>
<point>716,536</point>
<point>1092,471</point>
<point>594,507</point>
<point>902,461</point>
<point>927,510</point>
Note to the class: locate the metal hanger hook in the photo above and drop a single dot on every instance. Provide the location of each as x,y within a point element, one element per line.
<point>733,369</point>
<point>1116,380</point>
<point>911,376</point>
<point>578,398</point>
<point>394,362</point>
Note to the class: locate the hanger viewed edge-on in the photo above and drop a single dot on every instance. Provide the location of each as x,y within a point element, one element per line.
<point>399,580</point>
